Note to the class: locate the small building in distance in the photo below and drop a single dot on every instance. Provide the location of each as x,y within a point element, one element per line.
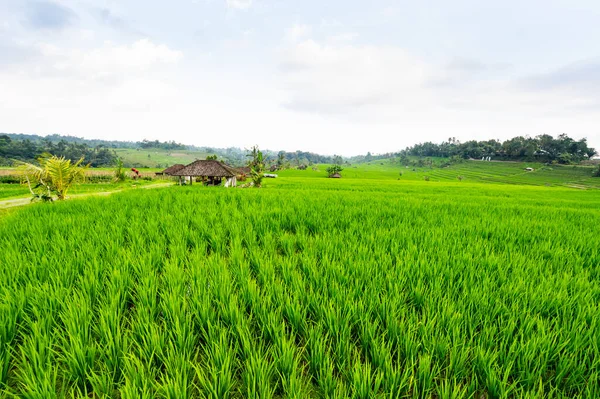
<point>336,176</point>
<point>245,170</point>
<point>211,172</point>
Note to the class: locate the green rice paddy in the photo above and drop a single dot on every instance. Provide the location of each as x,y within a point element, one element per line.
<point>363,287</point>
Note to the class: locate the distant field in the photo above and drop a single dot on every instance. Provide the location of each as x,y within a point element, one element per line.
<point>470,171</point>
<point>157,158</point>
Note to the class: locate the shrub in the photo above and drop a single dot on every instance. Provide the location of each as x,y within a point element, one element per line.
<point>333,169</point>
<point>10,179</point>
<point>100,179</point>
<point>119,173</point>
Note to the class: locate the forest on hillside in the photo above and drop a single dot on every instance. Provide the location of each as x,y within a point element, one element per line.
<point>543,148</point>
<point>14,151</point>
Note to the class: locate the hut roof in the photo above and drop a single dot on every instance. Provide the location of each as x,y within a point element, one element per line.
<point>172,169</point>
<point>336,176</point>
<point>245,170</point>
<point>207,168</point>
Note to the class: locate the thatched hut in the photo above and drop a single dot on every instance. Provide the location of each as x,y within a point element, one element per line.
<point>170,170</point>
<point>212,173</point>
<point>336,176</point>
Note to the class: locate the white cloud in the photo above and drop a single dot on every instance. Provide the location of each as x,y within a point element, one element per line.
<point>336,77</point>
<point>71,86</point>
<point>108,61</point>
<point>297,32</point>
<point>343,37</point>
<point>239,4</point>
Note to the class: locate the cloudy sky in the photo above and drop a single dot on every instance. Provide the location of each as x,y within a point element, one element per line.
<point>331,76</point>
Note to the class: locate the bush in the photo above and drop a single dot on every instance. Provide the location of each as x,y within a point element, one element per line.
<point>453,160</point>
<point>333,169</point>
<point>119,172</point>
<point>99,179</point>
<point>10,179</point>
<point>597,171</point>
<point>5,162</point>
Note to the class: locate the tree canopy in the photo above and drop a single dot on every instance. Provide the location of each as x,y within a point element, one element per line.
<point>544,148</point>
<point>27,151</point>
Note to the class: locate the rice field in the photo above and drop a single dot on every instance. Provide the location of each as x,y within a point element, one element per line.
<point>13,191</point>
<point>308,288</point>
<point>573,176</point>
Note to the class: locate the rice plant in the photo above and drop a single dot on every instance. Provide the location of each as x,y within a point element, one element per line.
<point>335,289</point>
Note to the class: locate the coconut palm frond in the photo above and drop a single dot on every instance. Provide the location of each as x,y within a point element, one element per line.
<point>56,175</point>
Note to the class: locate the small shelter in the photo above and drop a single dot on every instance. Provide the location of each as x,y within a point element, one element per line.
<point>246,170</point>
<point>170,170</point>
<point>336,176</point>
<point>211,172</point>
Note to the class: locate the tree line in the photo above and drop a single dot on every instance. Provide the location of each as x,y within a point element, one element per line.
<point>543,148</point>
<point>27,151</point>
<point>165,145</point>
<point>55,138</point>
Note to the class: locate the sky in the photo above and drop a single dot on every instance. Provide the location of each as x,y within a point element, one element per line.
<point>329,76</point>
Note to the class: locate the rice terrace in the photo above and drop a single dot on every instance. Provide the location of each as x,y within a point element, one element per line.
<point>398,280</point>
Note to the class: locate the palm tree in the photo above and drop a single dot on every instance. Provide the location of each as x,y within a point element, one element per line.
<point>53,177</point>
<point>257,166</point>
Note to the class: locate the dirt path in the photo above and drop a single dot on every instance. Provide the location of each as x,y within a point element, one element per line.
<point>25,201</point>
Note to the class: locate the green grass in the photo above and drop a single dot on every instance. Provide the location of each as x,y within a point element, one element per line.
<point>13,191</point>
<point>309,287</point>
<point>8,191</point>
